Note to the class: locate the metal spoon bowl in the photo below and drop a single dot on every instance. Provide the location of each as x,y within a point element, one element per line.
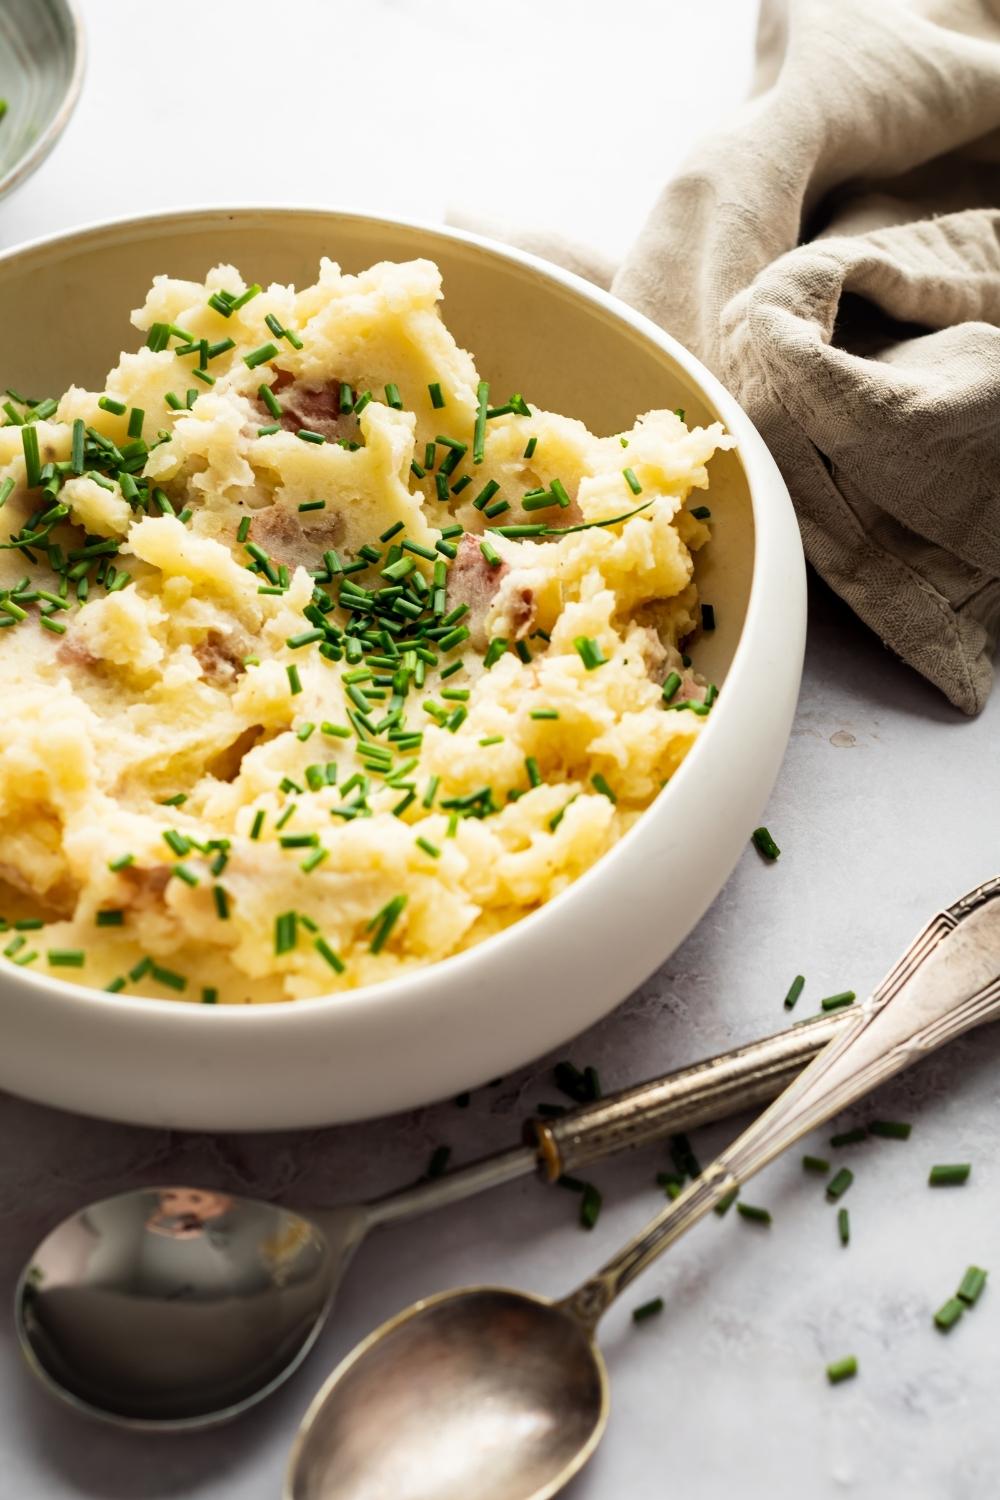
<point>485,1392</point>
<point>500,1396</point>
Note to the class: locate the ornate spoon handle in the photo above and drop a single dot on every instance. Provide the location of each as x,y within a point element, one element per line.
<point>947,981</point>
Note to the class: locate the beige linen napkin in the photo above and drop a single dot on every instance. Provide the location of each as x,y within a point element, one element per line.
<point>833,254</point>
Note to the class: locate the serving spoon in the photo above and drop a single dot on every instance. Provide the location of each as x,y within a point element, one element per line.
<point>179,1307</point>
<point>501,1395</point>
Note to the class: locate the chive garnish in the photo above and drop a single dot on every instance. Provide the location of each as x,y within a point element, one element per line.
<point>816,1164</point>
<point>647,1310</point>
<point>842,1369</point>
<point>209,995</point>
<point>838,1001</point>
<point>384,921</point>
<point>590,1205</point>
<point>753,1213</point>
<point>600,785</point>
<point>393,398</point>
<point>725,1204</point>
<point>632,481</point>
<point>260,356</point>
<point>971,1285</point>
<point>32,463</point>
<point>436,395</point>
<point>329,955</point>
<point>765,843</point>
<point>285,932</point>
<point>849,1137</point>
<point>168,977</point>
<point>891,1130</point>
<point>794,991</point>
<point>110,917</point>
<point>66,958</point>
<point>839,1183</point>
<point>952,1174</point>
<point>700,512</point>
<point>589,652</point>
<point>121,863</point>
<point>947,1316</point>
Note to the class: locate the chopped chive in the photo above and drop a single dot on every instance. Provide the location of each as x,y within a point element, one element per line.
<point>754,1214</point>
<point>436,395</point>
<point>77,460</point>
<point>631,481</point>
<point>839,1183</point>
<point>314,860</point>
<point>221,899</point>
<point>947,1316</point>
<point>209,995</point>
<point>725,1204</point>
<point>479,439</point>
<point>110,917</point>
<point>647,1310</point>
<point>185,873</point>
<point>532,444</point>
<point>428,847</point>
<point>841,1369</point>
<point>816,1164</point>
<point>285,932</point>
<point>891,1130</point>
<point>32,464</point>
<point>115,987</point>
<point>121,863</point>
<point>794,991</point>
<point>849,1137</point>
<point>257,824</point>
<point>590,1203</point>
<point>971,1285</point>
<point>66,958</point>
<point>329,955</point>
<point>55,626</point>
<point>393,398</point>
<point>670,686</point>
<point>308,436</point>
<point>294,682</point>
<point>490,553</point>
<point>543,713</point>
<point>700,512</point>
<point>491,739</point>
<point>600,785</point>
<point>838,1001</point>
<point>384,921</point>
<point>844,1226</point>
<point>764,842</point>
<point>953,1174</point>
<point>260,356</point>
<point>589,652</point>
<point>168,977</point>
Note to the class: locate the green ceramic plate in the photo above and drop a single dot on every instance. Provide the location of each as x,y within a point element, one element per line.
<point>41,69</point>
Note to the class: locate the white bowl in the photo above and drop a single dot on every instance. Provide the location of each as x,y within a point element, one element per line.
<point>572,348</point>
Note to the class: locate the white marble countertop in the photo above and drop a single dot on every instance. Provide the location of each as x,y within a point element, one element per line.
<point>887,806</point>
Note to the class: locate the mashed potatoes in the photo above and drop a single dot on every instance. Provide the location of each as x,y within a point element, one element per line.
<point>320,659</point>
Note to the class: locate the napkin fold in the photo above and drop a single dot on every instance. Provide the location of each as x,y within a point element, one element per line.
<point>833,254</point>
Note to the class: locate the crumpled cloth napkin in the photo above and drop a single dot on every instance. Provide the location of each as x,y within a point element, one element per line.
<point>833,255</point>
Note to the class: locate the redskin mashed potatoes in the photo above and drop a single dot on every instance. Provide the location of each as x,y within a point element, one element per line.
<point>320,659</point>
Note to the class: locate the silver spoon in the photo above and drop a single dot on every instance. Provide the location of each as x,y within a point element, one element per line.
<point>501,1395</point>
<point>180,1307</point>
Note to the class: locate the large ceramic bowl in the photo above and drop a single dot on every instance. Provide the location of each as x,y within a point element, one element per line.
<point>63,308</point>
<point>41,72</point>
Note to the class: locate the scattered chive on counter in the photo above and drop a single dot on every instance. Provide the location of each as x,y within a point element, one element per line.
<point>647,1310</point>
<point>754,1214</point>
<point>839,1001</point>
<point>765,844</point>
<point>954,1174</point>
<point>794,991</point>
<point>842,1369</point>
<point>839,1183</point>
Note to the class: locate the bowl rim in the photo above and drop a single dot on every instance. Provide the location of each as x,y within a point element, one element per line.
<point>43,144</point>
<point>755,460</point>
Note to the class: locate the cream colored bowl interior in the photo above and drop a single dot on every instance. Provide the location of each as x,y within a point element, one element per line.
<point>64,308</point>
